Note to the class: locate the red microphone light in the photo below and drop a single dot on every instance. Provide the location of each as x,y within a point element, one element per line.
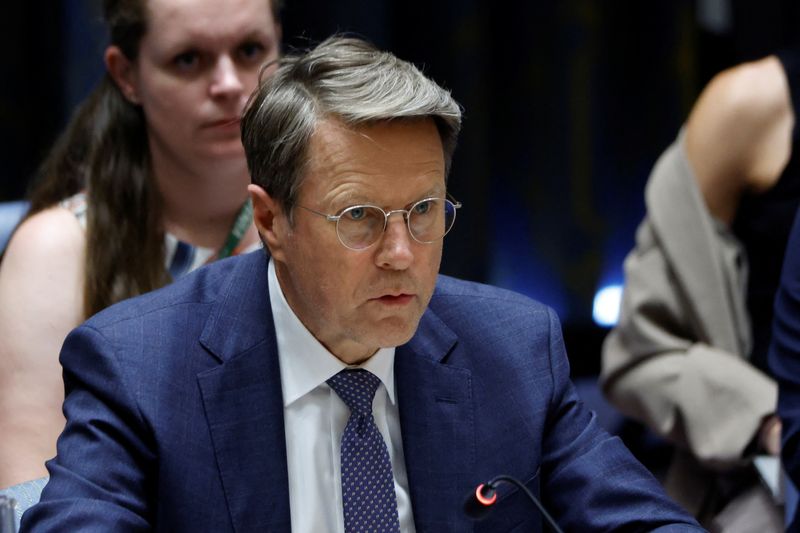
<point>479,503</point>
<point>485,499</point>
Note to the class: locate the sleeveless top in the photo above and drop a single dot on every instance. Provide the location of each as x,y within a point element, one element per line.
<point>763,223</point>
<point>180,257</point>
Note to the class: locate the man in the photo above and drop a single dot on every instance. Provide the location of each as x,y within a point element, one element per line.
<point>246,397</point>
<point>784,355</point>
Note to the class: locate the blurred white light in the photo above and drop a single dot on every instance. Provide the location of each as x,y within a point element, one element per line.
<point>605,309</point>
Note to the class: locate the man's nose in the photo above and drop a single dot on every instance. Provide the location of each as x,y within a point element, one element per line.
<point>395,247</point>
<point>226,80</point>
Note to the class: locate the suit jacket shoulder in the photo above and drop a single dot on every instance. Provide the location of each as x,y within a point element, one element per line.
<point>475,309</point>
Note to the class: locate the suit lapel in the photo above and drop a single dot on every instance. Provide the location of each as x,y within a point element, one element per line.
<point>244,403</point>
<point>435,403</point>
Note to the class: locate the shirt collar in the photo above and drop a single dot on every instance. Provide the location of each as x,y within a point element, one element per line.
<point>305,363</point>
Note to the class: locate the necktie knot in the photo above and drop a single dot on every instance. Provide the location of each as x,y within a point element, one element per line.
<point>356,388</point>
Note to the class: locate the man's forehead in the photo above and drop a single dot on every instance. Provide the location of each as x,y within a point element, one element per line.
<point>387,162</point>
<point>374,138</point>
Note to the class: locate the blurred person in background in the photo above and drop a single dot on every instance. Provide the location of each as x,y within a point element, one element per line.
<point>688,357</point>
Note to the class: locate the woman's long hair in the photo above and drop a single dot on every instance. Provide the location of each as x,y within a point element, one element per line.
<point>104,152</point>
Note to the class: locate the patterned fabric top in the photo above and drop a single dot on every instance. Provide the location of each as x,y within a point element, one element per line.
<point>180,257</point>
<point>24,495</point>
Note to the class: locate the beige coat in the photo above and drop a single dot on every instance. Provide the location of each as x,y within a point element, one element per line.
<point>677,360</point>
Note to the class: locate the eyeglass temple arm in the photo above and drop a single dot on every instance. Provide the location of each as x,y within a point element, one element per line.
<point>329,218</point>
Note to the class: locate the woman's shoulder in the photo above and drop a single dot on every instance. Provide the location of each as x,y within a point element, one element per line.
<point>54,234</point>
<point>41,281</point>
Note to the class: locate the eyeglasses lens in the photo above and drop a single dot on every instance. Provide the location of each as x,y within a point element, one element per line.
<point>428,221</point>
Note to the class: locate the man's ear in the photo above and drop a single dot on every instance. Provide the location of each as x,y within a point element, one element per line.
<point>123,73</point>
<point>270,222</point>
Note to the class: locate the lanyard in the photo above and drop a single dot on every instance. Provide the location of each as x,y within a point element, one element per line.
<point>240,226</point>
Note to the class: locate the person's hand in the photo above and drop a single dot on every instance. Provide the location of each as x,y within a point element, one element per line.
<point>769,436</point>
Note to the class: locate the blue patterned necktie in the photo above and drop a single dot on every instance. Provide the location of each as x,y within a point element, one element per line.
<point>370,504</point>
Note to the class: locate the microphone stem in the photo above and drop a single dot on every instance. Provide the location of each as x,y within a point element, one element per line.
<point>534,499</point>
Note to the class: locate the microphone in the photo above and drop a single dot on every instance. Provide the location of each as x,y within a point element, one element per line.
<point>480,501</point>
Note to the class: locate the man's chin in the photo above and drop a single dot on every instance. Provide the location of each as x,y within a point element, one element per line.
<point>395,332</point>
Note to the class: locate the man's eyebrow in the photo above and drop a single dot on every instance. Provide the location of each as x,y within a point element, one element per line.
<point>437,191</point>
<point>353,198</point>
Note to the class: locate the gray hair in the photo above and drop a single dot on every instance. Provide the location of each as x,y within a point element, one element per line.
<point>343,78</point>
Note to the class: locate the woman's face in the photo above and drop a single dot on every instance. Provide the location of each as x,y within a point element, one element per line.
<point>197,65</point>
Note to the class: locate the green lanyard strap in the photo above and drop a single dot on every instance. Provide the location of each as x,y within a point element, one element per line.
<point>240,226</point>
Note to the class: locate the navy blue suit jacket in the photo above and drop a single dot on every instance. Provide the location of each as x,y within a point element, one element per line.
<point>175,417</point>
<point>784,360</point>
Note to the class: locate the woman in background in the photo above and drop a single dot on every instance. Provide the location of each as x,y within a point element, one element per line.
<point>688,357</point>
<point>147,182</point>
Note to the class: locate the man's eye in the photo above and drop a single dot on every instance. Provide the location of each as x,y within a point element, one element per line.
<point>422,207</point>
<point>356,213</point>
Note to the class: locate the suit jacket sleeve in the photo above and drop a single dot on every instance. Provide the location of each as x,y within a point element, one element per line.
<point>99,479</point>
<point>677,359</point>
<point>592,480</point>
<point>784,356</point>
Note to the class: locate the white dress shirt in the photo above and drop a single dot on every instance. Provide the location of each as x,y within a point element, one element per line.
<point>315,418</point>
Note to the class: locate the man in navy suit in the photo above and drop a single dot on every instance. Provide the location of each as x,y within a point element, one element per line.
<point>206,406</point>
<point>784,361</point>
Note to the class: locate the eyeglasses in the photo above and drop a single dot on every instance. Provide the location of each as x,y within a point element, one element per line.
<point>360,226</point>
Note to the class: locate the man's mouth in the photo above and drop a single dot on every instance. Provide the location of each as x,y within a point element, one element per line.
<point>395,299</point>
